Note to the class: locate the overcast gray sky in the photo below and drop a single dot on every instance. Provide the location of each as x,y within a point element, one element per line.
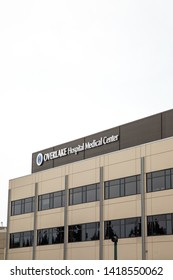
<point>72,68</point>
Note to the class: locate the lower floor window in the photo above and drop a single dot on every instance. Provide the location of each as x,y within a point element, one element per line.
<point>21,239</point>
<point>50,236</point>
<point>160,224</point>
<point>84,232</point>
<point>123,228</point>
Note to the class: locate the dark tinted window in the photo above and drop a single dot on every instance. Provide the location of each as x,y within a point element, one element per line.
<point>160,224</point>
<point>51,200</point>
<point>122,187</point>
<point>84,232</point>
<point>57,235</point>
<point>50,236</point>
<point>123,228</point>
<point>21,239</point>
<point>22,206</point>
<point>160,180</point>
<point>84,194</point>
<point>29,205</point>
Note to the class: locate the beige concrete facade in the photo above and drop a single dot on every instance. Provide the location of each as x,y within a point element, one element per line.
<point>2,242</point>
<point>157,156</point>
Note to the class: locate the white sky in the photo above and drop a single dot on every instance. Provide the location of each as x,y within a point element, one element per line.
<point>72,68</point>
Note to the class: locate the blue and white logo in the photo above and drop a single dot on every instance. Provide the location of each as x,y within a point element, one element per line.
<point>39,159</point>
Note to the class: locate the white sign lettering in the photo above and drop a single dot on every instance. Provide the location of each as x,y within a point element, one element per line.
<point>40,159</point>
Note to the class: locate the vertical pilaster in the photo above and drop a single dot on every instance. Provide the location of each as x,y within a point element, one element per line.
<point>101,215</point>
<point>35,222</point>
<point>8,222</point>
<point>143,210</point>
<point>66,218</point>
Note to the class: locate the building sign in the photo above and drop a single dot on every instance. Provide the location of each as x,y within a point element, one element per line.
<point>41,158</point>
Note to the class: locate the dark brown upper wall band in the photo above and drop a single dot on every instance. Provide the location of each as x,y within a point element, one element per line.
<point>139,132</point>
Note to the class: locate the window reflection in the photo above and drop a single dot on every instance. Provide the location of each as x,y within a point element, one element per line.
<point>159,224</point>
<point>84,232</point>
<point>21,239</point>
<point>123,228</point>
<point>159,180</point>
<point>122,187</point>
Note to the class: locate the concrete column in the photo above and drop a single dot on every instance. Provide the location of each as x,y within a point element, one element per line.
<point>35,222</point>
<point>143,210</point>
<point>66,199</point>
<point>8,221</point>
<point>101,214</point>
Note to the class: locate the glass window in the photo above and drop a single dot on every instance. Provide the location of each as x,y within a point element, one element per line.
<point>168,182</point>
<point>44,202</point>
<point>114,188</point>
<point>50,236</point>
<point>22,206</point>
<point>111,228</point>
<point>84,232</point>
<point>57,235</point>
<point>106,190</point>
<point>159,224</point>
<point>21,239</point>
<point>138,184</point>
<point>57,200</point>
<point>51,200</point>
<point>75,233</point>
<point>27,239</point>
<point>43,237</point>
<point>84,194</point>
<point>18,207</point>
<point>123,228</point>
<point>172,178</point>
<point>12,208</point>
<point>149,188</point>
<point>91,193</point>
<point>130,185</point>
<point>91,232</point>
<point>98,191</point>
<point>131,227</point>
<point>122,187</point>
<point>14,240</point>
<point>77,195</point>
<point>159,180</point>
<point>28,205</point>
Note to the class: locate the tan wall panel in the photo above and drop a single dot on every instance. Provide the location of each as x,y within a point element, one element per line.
<point>122,208</point>
<point>121,170</point>
<point>83,165</point>
<point>50,252</point>
<point>51,173</point>
<point>159,202</point>
<point>83,213</point>
<point>24,223</point>
<point>20,254</point>
<point>127,249</point>
<point>120,156</point>
<point>22,181</point>
<point>52,185</point>
<point>160,248</point>
<point>159,161</point>
<point>50,218</point>
<point>22,192</point>
<point>2,244</point>
<point>161,146</point>
<point>2,254</point>
<point>84,178</point>
<point>84,251</point>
